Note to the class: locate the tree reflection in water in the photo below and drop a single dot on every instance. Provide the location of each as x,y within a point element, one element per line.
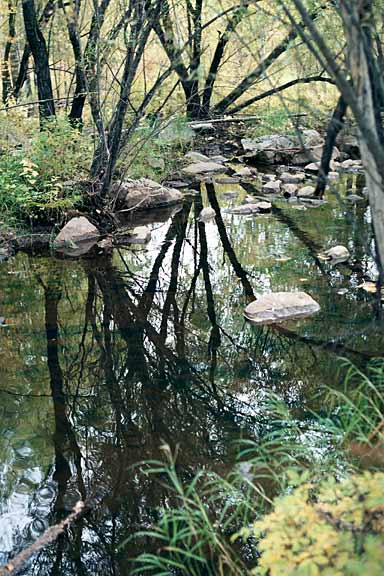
<point>150,347</point>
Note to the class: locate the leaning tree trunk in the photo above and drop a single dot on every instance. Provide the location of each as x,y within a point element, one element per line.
<point>39,51</point>
<point>357,22</point>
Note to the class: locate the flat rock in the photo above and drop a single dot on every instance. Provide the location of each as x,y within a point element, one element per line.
<point>177,184</point>
<point>219,159</point>
<point>306,192</point>
<point>263,207</point>
<point>280,306</point>
<point>77,230</point>
<point>244,209</point>
<point>290,178</point>
<point>143,194</point>
<point>227,180</point>
<point>196,157</point>
<point>203,168</point>
<point>354,198</point>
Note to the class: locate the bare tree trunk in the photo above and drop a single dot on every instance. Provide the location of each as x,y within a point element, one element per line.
<point>7,63</point>
<point>37,44</point>
<point>76,113</point>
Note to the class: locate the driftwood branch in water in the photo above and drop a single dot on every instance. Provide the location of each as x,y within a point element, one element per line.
<point>50,535</point>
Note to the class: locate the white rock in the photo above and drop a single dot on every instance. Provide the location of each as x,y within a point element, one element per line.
<point>279,306</point>
<point>206,215</point>
<point>339,253</point>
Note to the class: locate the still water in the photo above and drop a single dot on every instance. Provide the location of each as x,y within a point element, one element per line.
<point>105,359</point>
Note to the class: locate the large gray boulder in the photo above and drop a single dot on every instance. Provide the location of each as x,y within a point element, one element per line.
<point>143,194</point>
<point>77,230</point>
<point>279,306</point>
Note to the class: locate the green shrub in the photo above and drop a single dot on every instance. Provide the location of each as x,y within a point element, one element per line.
<point>155,150</point>
<point>31,179</point>
<point>334,529</point>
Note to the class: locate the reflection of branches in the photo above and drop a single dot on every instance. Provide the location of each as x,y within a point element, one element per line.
<point>63,428</point>
<point>214,339</point>
<point>228,249</point>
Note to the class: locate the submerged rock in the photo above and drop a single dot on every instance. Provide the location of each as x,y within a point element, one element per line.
<point>279,306</point>
<point>230,194</point>
<point>143,194</point>
<point>77,230</point>
<point>139,235</point>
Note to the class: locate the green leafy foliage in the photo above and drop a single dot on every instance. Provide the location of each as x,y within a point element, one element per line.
<point>156,149</point>
<point>335,529</point>
<point>31,179</point>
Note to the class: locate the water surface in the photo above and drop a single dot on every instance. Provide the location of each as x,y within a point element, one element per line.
<point>103,360</point>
